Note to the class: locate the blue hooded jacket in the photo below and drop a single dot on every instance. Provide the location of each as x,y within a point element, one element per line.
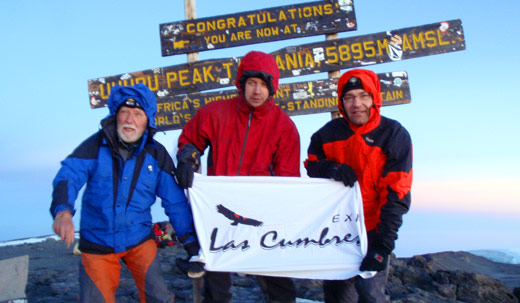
<point>119,193</point>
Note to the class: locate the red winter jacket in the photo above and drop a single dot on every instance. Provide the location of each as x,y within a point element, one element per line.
<point>246,141</point>
<point>379,152</point>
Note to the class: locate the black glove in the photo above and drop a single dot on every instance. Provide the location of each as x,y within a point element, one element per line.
<point>344,173</point>
<point>375,260</point>
<point>185,172</point>
<point>195,269</point>
<point>188,162</point>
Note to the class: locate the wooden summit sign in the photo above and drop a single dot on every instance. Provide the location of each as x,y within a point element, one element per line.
<point>299,98</point>
<point>279,23</point>
<point>388,46</point>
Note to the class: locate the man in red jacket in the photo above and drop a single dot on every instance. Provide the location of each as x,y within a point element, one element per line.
<point>377,152</point>
<point>248,136</point>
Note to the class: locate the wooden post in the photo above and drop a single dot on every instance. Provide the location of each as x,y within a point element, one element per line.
<point>190,13</point>
<point>334,74</point>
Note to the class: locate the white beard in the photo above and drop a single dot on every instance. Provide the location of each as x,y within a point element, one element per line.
<point>127,138</point>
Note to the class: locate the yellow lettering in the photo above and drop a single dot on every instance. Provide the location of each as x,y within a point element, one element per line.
<point>197,78</point>
<point>270,18</point>
<point>227,66</point>
<point>279,62</point>
<point>291,61</point>
<point>392,95</point>
<point>292,11</point>
<point>328,9</point>
<point>332,56</point>
<point>287,29</point>
<point>231,22</point>
<point>104,94</point>
<point>418,39</point>
<point>267,32</point>
<point>282,16</point>
<point>151,85</point>
<point>201,27</point>
<point>221,24</point>
<point>370,50</point>
<point>439,34</point>
<point>309,60</point>
<point>160,107</point>
<point>382,45</point>
<point>241,22</point>
<point>317,10</point>
<point>251,19</point>
<point>189,28</point>
<point>211,25</point>
<point>406,43</point>
<point>158,120</point>
<point>171,77</point>
<point>261,18</point>
<point>307,12</point>
<point>357,50</point>
<point>206,70</point>
<point>399,94</point>
<point>183,76</point>
<point>344,52</point>
<point>431,38</point>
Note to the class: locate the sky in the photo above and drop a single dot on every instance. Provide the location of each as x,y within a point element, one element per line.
<point>463,117</point>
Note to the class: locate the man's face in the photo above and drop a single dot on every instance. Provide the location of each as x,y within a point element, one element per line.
<point>131,124</point>
<point>357,104</point>
<point>256,91</point>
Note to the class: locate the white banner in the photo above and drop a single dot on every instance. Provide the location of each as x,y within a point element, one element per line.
<point>279,226</point>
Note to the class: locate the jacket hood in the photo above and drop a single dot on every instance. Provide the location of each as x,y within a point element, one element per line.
<point>370,83</point>
<point>140,93</point>
<point>260,65</point>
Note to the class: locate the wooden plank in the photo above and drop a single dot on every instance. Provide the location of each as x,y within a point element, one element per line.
<point>299,98</point>
<point>383,47</point>
<point>419,41</point>
<point>270,24</point>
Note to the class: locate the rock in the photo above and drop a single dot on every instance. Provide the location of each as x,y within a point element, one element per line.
<point>434,278</point>
<point>13,277</point>
<point>427,279</point>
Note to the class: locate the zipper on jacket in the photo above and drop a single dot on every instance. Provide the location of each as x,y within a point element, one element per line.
<point>245,141</point>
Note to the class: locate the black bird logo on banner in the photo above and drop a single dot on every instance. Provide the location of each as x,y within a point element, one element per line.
<point>236,218</point>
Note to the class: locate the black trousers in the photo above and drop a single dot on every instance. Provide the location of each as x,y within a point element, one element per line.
<point>217,285</point>
<point>357,289</point>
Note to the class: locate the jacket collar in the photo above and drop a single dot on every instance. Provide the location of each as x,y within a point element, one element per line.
<point>258,111</point>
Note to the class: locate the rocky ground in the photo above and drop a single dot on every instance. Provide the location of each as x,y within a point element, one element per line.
<point>440,277</point>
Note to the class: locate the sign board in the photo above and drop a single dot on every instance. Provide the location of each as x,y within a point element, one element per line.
<point>279,23</point>
<point>395,45</point>
<point>299,98</point>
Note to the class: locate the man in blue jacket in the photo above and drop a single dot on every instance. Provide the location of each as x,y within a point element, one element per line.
<point>125,169</point>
